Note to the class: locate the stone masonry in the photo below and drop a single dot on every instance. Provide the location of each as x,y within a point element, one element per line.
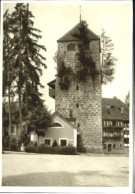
<point>83,99</point>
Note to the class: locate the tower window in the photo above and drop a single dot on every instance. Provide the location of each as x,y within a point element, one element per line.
<point>78,124</point>
<point>77,87</point>
<point>71,47</point>
<point>77,105</point>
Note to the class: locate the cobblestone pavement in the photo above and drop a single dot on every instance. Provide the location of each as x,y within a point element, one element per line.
<point>86,170</point>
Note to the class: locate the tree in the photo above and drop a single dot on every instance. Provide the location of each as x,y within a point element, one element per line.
<point>26,59</point>
<point>127,99</point>
<point>26,51</point>
<point>40,119</point>
<point>7,63</point>
<point>108,61</point>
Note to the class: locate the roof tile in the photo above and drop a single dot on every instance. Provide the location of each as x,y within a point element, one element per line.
<point>69,35</point>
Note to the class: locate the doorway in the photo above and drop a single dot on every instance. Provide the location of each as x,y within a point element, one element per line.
<point>109,147</point>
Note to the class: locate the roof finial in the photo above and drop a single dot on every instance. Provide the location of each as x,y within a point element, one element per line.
<point>80,14</point>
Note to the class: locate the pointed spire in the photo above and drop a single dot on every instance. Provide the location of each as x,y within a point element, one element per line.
<point>80,14</point>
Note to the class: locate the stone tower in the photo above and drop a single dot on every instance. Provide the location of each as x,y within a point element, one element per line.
<point>81,103</point>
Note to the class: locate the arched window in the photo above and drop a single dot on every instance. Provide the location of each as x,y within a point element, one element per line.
<point>56,124</point>
<point>71,47</point>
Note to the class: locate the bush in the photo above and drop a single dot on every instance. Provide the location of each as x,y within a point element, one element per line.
<point>22,138</point>
<point>55,144</point>
<point>13,144</point>
<point>5,142</point>
<point>70,150</point>
<point>50,150</point>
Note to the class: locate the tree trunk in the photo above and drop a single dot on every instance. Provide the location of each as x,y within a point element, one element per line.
<point>19,88</point>
<point>26,84</point>
<point>9,110</point>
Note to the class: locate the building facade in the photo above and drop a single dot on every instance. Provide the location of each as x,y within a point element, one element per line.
<point>115,125</point>
<point>81,103</point>
<point>62,133</point>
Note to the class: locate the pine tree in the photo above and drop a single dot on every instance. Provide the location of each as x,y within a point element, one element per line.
<point>127,99</point>
<point>7,63</point>
<point>27,65</point>
<point>108,60</point>
<point>26,50</point>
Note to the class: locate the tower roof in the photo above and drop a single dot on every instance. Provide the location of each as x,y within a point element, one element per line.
<point>69,35</point>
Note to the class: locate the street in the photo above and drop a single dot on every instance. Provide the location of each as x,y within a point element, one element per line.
<point>86,170</point>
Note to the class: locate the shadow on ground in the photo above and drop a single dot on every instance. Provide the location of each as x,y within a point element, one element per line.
<point>82,179</point>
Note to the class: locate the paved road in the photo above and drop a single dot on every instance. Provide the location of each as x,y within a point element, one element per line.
<point>24,169</point>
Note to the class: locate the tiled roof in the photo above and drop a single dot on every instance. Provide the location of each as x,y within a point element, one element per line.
<point>69,35</point>
<point>114,112</point>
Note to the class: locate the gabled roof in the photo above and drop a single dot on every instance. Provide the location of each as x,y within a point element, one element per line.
<point>75,30</point>
<point>57,113</point>
<point>114,112</point>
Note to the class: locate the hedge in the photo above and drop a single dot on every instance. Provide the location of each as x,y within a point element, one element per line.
<point>50,150</point>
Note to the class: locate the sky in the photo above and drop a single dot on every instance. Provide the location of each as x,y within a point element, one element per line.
<point>55,19</point>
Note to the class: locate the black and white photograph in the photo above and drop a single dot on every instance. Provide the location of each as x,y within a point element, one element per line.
<point>66,89</point>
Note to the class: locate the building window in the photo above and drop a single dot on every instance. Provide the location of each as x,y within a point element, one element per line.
<point>48,142</point>
<point>71,47</point>
<point>63,142</point>
<point>120,145</point>
<point>78,124</point>
<point>114,146</point>
<point>77,105</point>
<point>77,87</point>
<point>56,124</point>
<point>126,140</point>
<point>126,132</point>
<point>114,123</point>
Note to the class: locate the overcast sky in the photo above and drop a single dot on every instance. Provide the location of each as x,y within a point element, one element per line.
<point>56,19</point>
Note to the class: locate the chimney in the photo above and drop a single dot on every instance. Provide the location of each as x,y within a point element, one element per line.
<point>114,97</point>
<point>122,109</point>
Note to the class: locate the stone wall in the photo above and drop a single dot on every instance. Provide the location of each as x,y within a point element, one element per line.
<point>85,101</point>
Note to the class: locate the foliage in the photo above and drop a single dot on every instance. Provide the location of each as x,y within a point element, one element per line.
<point>127,99</point>
<point>22,55</point>
<point>13,144</point>
<point>50,150</point>
<point>65,75</point>
<point>86,65</point>
<point>5,142</point>
<point>22,138</point>
<point>55,144</point>
<point>108,61</point>
<point>31,148</point>
<point>40,119</point>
